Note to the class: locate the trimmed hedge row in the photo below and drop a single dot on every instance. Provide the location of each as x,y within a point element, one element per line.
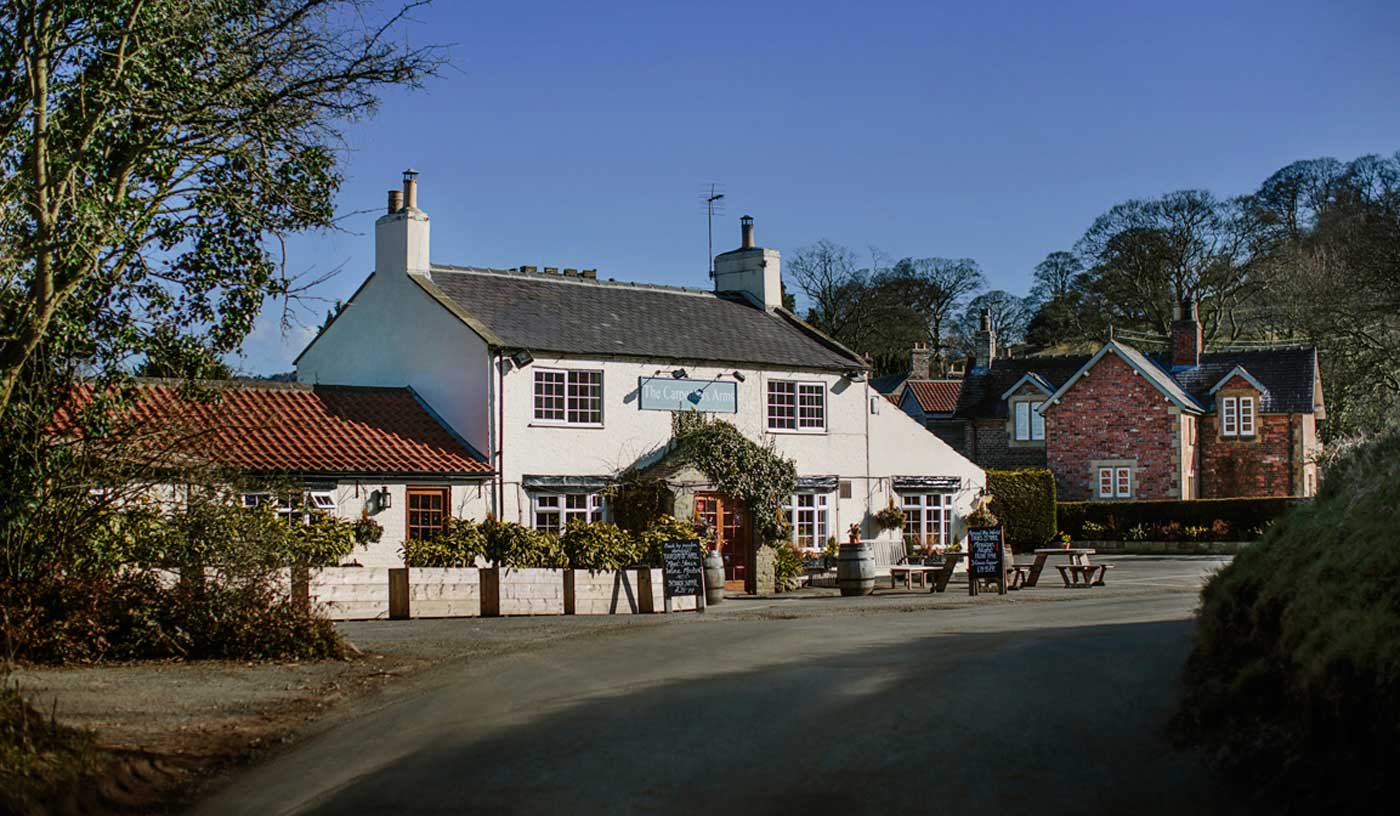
<point>1171,519</point>
<point>1024,501</point>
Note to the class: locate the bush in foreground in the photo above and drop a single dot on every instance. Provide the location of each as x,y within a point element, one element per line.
<point>1294,684</point>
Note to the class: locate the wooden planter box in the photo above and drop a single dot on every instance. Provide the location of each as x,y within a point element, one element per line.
<point>601,593</point>
<point>507,591</point>
<point>448,592</point>
<point>349,593</point>
<point>651,594</point>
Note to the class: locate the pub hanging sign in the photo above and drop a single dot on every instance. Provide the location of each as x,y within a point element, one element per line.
<point>670,394</point>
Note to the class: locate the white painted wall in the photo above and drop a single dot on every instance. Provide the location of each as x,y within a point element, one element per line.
<point>466,499</point>
<point>898,445</point>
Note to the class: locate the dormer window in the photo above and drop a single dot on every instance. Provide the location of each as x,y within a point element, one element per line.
<point>1237,416</point>
<point>1030,423</point>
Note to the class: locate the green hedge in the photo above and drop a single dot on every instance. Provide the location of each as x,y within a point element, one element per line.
<point>1173,519</point>
<point>1024,502</point>
<point>1294,684</point>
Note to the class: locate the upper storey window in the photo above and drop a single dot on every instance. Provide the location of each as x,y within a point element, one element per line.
<point>568,396</point>
<point>796,406</point>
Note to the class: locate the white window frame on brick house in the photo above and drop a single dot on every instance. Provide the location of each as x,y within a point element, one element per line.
<point>552,512</point>
<point>928,518</point>
<point>1238,416</point>
<point>1118,479</point>
<point>571,397</point>
<point>1247,415</point>
<point>796,406</point>
<point>1028,421</point>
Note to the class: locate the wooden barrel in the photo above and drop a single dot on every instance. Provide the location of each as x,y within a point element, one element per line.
<point>714,578</point>
<point>855,569</point>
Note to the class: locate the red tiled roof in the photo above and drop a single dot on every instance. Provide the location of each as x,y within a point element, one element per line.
<point>936,396</point>
<point>294,428</point>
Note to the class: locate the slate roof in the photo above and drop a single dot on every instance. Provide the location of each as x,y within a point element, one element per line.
<point>982,387</point>
<point>887,384</point>
<point>1287,374</point>
<point>553,313</point>
<point>291,428</point>
<point>936,396</point>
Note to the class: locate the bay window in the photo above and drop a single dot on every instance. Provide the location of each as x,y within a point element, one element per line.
<point>810,517</point>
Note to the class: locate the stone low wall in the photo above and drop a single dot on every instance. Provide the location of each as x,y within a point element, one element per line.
<point>1166,547</point>
<point>350,593</point>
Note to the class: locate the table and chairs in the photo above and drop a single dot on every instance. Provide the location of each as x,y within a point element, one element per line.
<point>934,571</point>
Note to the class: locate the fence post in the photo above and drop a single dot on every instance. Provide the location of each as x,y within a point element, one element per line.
<point>398,594</point>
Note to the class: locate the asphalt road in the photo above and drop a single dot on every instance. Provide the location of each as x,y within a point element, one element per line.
<point>1047,701</point>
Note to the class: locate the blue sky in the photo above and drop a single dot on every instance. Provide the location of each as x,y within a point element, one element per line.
<point>581,134</point>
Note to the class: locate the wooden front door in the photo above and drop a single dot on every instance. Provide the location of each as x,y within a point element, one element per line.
<point>730,521</point>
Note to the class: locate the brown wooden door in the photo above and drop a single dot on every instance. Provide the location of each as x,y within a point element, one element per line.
<point>730,521</point>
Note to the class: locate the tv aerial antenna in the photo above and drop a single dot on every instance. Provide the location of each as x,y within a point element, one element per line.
<point>712,196</point>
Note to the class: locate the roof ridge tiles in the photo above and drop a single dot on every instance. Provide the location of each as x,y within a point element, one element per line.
<point>549,277</point>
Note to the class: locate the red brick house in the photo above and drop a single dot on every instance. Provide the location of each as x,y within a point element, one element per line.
<point>1126,424</point>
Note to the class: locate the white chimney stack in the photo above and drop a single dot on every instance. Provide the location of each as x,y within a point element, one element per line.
<point>401,235</point>
<point>751,270</point>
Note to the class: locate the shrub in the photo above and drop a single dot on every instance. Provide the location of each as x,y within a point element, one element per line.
<point>665,528</point>
<point>787,564</point>
<point>599,546</point>
<point>38,757</point>
<point>1024,500</point>
<point>1294,682</point>
<point>513,545</point>
<point>1228,519</point>
<point>457,544</point>
<point>637,500</point>
<point>132,616</point>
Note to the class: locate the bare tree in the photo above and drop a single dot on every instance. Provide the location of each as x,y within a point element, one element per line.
<point>834,288</point>
<point>932,289</point>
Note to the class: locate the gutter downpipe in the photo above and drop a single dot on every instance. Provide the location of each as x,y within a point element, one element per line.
<point>500,435</point>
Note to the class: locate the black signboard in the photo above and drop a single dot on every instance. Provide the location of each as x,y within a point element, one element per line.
<point>685,574</point>
<point>986,557</point>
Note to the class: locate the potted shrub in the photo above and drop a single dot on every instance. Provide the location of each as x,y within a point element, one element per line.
<point>526,576</point>
<point>596,581</point>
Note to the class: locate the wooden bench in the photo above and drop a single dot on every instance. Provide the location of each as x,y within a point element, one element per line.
<point>1018,575</point>
<point>1083,575</point>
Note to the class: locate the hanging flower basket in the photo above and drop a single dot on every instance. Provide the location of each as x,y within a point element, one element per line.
<point>890,518</point>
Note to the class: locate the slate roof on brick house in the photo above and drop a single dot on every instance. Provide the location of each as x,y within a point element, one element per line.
<point>569,315</point>
<point>290,428</point>
<point>936,396</point>
<point>1289,377</point>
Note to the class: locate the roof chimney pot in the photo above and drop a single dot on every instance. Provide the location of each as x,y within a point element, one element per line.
<point>410,189</point>
<point>395,201</point>
<point>746,232</point>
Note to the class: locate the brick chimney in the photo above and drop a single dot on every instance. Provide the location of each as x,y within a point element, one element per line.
<point>986,341</point>
<point>751,270</point>
<point>1186,336</point>
<point>401,235</point>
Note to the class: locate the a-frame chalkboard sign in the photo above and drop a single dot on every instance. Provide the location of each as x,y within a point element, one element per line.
<point>986,557</point>
<point>683,573</point>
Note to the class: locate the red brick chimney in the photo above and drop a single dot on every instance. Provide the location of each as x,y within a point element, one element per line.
<point>1186,336</point>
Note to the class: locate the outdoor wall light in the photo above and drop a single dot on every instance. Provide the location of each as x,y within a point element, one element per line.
<point>384,500</point>
<point>739,375</point>
<point>678,373</point>
<point>522,358</point>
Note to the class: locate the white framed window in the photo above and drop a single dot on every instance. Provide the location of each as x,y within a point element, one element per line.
<point>552,512</point>
<point>928,519</point>
<point>1115,482</point>
<point>810,517</point>
<point>1246,416</point>
<point>293,506</point>
<point>1229,416</point>
<point>796,406</point>
<point>568,396</point>
<point>1030,424</point>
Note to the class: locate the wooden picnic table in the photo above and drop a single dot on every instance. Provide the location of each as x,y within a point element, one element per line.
<point>934,576</point>
<point>1078,569</point>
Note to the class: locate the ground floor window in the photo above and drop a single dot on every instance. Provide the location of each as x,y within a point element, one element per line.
<point>809,515</point>
<point>427,507</point>
<point>1115,482</point>
<point>294,506</point>
<point>552,512</point>
<point>928,519</point>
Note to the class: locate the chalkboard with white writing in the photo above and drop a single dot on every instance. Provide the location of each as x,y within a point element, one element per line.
<point>685,574</point>
<point>986,557</point>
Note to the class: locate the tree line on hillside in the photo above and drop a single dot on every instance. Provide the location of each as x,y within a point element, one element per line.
<point>1311,257</point>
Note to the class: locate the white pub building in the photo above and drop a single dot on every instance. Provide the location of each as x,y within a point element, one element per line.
<point>562,382</point>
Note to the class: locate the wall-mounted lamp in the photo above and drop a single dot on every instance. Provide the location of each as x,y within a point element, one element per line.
<point>522,358</point>
<point>679,373</point>
<point>739,375</point>
<point>384,499</point>
<point>854,375</point>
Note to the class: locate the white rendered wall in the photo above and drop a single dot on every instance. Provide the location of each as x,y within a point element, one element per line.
<point>466,500</point>
<point>898,445</point>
